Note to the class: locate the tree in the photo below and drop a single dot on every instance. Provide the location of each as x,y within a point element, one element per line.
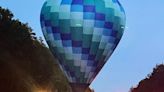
<point>26,64</point>
<point>153,83</point>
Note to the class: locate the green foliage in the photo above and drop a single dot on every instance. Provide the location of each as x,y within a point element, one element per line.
<point>25,62</point>
<point>153,83</point>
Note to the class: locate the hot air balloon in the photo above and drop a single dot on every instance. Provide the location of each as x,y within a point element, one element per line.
<point>82,34</point>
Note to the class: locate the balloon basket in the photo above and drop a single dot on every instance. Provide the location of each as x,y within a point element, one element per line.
<point>79,87</point>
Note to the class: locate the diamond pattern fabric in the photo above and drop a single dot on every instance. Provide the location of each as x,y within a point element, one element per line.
<point>82,34</point>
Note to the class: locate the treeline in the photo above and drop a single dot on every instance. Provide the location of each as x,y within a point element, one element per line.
<point>153,83</point>
<point>26,64</point>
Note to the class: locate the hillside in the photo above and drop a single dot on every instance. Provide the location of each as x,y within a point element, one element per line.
<point>25,63</point>
<point>153,83</point>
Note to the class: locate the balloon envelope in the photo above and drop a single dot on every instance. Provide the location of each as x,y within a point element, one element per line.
<point>82,34</point>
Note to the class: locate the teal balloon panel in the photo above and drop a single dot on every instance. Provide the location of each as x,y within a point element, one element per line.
<point>82,34</point>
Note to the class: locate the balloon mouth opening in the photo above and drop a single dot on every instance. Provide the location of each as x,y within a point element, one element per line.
<point>78,87</point>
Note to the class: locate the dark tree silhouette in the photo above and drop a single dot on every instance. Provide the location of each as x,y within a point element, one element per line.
<point>153,83</point>
<point>26,64</point>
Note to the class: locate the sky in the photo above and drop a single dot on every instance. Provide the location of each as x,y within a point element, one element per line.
<point>140,49</point>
